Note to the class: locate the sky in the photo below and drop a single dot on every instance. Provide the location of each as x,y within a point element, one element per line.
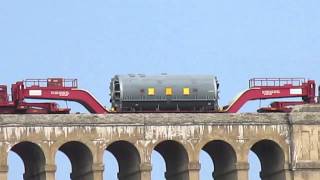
<point>95,40</point>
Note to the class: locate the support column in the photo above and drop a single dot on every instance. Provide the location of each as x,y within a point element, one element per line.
<point>3,160</point>
<point>194,170</point>
<point>4,172</point>
<point>143,173</point>
<point>238,172</point>
<point>306,170</point>
<point>145,170</point>
<point>97,170</point>
<point>242,169</point>
<point>50,171</point>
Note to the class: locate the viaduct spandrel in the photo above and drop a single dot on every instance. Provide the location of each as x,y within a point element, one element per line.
<point>288,145</point>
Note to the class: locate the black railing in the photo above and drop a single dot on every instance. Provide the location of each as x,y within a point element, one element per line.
<point>264,82</point>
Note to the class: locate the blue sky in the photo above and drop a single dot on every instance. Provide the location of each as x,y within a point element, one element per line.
<point>94,40</point>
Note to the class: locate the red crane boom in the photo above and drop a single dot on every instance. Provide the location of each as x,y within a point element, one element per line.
<point>271,88</point>
<point>50,89</point>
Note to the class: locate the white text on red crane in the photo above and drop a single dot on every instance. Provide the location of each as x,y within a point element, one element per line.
<point>270,92</point>
<point>60,93</point>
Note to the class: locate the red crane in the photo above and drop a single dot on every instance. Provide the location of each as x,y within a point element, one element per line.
<point>50,89</point>
<point>272,88</point>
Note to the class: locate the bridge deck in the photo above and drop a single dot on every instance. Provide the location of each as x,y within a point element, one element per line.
<point>286,144</point>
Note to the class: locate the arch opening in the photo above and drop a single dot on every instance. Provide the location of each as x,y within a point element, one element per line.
<point>224,159</point>
<point>63,164</point>
<point>176,159</point>
<point>81,160</point>
<point>207,165</point>
<point>255,166</point>
<point>128,159</point>
<point>111,166</point>
<point>14,160</point>
<point>158,166</point>
<point>33,158</point>
<point>271,158</point>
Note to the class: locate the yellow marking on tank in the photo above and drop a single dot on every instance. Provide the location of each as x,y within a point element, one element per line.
<point>186,91</point>
<point>151,91</point>
<point>169,91</point>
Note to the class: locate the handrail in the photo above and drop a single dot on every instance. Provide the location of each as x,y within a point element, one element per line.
<point>267,82</point>
<point>58,82</point>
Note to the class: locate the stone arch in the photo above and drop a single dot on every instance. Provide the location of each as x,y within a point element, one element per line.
<point>176,159</point>
<point>272,159</point>
<point>33,159</point>
<point>224,159</point>
<point>128,158</point>
<point>281,143</point>
<point>81,159</point>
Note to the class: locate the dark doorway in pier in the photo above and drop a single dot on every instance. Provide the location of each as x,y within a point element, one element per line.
<point>127,161</point>
<point>271,158</point>
<point>223,158</point>
<point>80,158</point>
<point>33,160</point>
<point>176,160</point>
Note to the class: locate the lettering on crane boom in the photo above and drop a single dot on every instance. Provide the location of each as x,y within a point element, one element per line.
<point>35,93</point>
<point>296,91</point>
<point>60,93</point>
<point>270,92</point>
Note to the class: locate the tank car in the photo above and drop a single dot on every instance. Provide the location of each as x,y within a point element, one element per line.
<point>164,93</point>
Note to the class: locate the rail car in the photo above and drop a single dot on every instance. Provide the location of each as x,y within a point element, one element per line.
<point>185,93</point>
<point>152,94</point>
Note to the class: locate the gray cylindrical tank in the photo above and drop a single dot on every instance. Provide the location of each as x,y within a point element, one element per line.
<point>164,93</point>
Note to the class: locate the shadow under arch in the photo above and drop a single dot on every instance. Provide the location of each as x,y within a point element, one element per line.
<point>176,159</point>
<point>224,159</point>
<point>272,159</point>
<point>81,160</point>
<point>128,158</point>
<point>33,159</point>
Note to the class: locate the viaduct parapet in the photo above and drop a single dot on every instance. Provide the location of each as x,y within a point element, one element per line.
<point>288,145</point>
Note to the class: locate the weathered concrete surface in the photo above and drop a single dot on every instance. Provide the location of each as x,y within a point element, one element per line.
<point>286,144</point>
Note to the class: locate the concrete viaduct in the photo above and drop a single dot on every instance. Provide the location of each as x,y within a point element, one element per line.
<point>288,145</point>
